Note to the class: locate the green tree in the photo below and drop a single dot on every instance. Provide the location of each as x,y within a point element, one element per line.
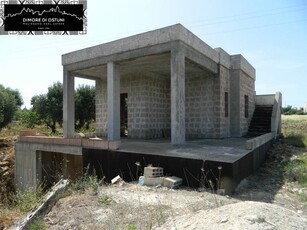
<point>28,118</point>
<point>8,107</point>
<point>15,93</point>
<point>85,106</point>
<point>289,110</point>
<point>49,107</point>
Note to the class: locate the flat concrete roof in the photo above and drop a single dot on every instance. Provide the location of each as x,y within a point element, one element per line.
<point>150,52</point>
<point>175,32</point>
<point>227,150</point>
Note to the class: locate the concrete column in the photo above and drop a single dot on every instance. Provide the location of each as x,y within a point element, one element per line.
<point>235,117</point>
<point>68,104</point>
<point>113,102</point>
<point>177,96</point>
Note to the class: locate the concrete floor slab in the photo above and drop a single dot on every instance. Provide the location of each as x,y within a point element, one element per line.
<point>227,150</point>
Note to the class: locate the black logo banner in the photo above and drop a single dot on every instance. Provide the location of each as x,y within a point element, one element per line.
<point>37,18</point>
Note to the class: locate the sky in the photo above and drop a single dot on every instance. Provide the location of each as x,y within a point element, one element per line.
<point>271,35</point>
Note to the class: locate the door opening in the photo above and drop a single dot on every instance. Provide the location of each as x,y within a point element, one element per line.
<point>123,114</point>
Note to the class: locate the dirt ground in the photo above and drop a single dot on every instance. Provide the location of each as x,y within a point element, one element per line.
<point>262,201</point>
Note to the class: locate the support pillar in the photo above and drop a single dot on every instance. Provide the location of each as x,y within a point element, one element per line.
<point>68,104</point>
<point>177,96</point>
<point>113,102</point>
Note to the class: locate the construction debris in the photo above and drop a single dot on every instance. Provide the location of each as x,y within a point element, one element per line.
<point>118,180</point>
<point>153,171</point>
<point>171,182</point>
<point>153,176</point>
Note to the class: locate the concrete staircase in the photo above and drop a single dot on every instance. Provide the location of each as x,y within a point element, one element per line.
<point>261,121</point>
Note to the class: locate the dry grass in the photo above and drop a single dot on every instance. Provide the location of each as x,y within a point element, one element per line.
<point>294,117</point>
<point>294,129</point>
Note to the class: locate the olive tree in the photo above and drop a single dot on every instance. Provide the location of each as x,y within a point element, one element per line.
<point>10,101</point>
<point>49,107</point>
<point>85,106</point>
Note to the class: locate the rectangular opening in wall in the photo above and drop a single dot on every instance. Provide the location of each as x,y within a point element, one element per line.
<point>246,106</point>
<point>55,165</point>
<point>124,114</point>
<point>226,104</point>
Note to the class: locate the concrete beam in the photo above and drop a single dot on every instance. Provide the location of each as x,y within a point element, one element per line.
<point>201,59</point>
<point>177,96</point>
<point>113,102</point>
<point>68,104</point>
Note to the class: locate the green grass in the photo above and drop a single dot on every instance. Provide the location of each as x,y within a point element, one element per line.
<point>38,224</point>
<point>294,129</point>
<point>295,169</point>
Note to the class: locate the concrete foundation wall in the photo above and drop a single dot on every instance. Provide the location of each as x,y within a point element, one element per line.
<point>28,161</point>
<point>25,166</point>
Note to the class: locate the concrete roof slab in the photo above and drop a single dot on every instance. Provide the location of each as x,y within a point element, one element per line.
<point>156,37</point>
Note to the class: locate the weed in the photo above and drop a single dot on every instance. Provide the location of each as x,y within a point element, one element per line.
<point>105,199</point>
<point>27,200</point>
<point>295,169</point>
<point>131,227</point>
<point>94,182</point>
<point>303,197</point>
<point>87,181</point>
<point>38,224</point>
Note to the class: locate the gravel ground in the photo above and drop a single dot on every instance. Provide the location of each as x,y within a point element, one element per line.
<point>262,201</point>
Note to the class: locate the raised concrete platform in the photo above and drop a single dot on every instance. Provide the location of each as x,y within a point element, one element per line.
<point>238,158</point>
<point>220,150</point>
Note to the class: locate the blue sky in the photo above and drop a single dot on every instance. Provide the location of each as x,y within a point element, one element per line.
<point>271,35</point>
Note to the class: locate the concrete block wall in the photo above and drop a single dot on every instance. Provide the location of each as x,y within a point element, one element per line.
<point>135,87</point>
<point>101,108</point>
<point>242,82</point>
<point>222,86</point>
<point>199,102</point>
<point>247,87</point>
<point>148,105</point>
<point>158,107</point>
<point>149,102</point>
<point>222,119</point>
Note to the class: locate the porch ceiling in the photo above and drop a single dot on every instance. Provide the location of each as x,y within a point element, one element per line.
<point>158,65</point>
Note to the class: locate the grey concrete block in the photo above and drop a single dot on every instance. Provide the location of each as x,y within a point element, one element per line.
<point>172,182</point>
<point>153,181</point>
<point>153,171</point>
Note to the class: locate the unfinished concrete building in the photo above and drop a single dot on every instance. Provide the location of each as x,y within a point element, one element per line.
<point>168,85</point>
<point>174,85</point>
